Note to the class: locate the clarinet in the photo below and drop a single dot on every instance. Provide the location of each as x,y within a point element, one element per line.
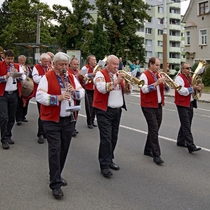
<point>66,82</point>
<point>12,67</point>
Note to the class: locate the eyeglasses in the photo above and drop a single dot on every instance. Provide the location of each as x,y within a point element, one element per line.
<point>188,68</point>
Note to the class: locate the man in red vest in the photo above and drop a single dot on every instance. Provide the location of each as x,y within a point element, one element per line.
<point>89,91</point>
<point>152,100</point>
<point>185,103</point>
<point>108,101</point>
<point>10,89</point>
<point>56,92</point>
<point>39,70</point>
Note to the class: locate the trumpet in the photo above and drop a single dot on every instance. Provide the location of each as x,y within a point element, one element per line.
<point>170,82</point>
<point>132,80</point>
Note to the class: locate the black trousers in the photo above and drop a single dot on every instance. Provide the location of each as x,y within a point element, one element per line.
<point>21,110</point>
<point>185,134</point>
<point>108,124</point>
<point>59,138</point>
<point>8,107</point>
<point>90,111</point>
<point>154,118</point>
<point>40,125</point>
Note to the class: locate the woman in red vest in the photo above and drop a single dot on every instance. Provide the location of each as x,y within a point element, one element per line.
<point>152,100</point>
<point>55,93</point>
<point>185,103</point>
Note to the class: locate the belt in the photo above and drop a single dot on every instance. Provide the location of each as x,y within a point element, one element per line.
<point>10,92</point>
<point>114,108</point>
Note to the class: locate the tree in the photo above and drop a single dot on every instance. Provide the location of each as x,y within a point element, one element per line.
<point>75,28</point>
<point>23,23</point>
<point>122,19</point>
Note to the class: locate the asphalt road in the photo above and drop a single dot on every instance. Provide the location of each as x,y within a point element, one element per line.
<point>182,183</point>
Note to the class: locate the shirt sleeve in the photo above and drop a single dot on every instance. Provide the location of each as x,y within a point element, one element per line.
<point>79,91</point>
<point>146,88</point>
<point>42,95</point>
<point>183,91</point>
<point>36,76</point>
<point>100,83</point>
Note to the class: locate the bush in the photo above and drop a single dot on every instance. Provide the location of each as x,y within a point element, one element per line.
<point>206,77</point>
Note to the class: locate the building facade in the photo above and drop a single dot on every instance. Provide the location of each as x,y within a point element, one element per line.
<point>197,29</point>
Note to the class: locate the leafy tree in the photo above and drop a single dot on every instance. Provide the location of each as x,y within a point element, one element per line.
<point>122,19</point>
<point>22,26</point>
<point>75,28</point>
<point>98,43</point>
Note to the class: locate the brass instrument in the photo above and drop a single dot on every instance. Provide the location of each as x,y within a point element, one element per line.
<point>197,78</point>
<point>132,80</point>
<point>170,82</point>
<point>98,66</point>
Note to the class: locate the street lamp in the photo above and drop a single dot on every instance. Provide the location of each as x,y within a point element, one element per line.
<point>165,38</point>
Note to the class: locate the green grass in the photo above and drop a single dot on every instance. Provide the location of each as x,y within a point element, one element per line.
<point>206,89</point>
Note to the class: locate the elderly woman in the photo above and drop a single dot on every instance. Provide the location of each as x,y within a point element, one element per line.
<point>57,93</point>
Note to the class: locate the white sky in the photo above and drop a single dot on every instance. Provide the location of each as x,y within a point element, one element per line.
<point>67,3</point>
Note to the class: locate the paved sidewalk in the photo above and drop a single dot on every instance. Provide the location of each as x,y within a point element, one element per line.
<point>205,97</point>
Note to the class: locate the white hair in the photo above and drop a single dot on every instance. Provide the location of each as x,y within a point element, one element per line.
<point>111,57</point>
<point>60,56</point>
<point>44,55</point>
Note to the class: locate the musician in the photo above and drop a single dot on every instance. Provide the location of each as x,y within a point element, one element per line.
<point>50,66</point>
<point>152,101</point>
<point>73,69</point>
<point>185,103</point>
<point>57,122</point>
<point>89,91</point>
<point>10,88</point>
<point>22,108</point>
<point>39,70</point>
<point>108,101</point>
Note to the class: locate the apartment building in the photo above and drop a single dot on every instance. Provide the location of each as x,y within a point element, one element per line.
<point>197,29</point>
<point>153,31</point>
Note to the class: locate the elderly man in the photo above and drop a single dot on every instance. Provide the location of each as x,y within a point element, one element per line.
<point>10,89</point>
<point>184,102</point>
<point>108,101</point>
<point>56,92</point>
<point>38,72</point>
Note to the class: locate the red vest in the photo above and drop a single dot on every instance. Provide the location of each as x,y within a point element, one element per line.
<point>100,100</point>
<point>151,99</point>
<point>183,100</point>
<point>41,73</point>
<point>89,86</point>
<point>3,71</point>
<point>52,113</point>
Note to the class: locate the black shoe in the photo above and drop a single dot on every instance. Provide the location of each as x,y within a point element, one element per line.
<point>57,193</point>
<point>114,166</point>
<point>64,182</point>
<point>24,120</point>
<point>181,144</point>
<point>106,173</point>
<point>19,122</point>
<point>41,140</point>
<point>5,145</point>
<point>74,133</point>
<point>77,132</point>
<point>148,154</point>
<point>90,126</point>
<point>94,125</point>
<point>158,160</point>
<point>194,150</point>
<point>10,141</point>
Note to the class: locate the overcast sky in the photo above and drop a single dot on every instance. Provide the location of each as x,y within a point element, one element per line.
<point>67,3</point>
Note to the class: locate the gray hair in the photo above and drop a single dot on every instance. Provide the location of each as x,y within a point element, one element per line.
<point>44,55</point>
<point>60,56</point>
<point>111,57</point>
<point>21,56</point>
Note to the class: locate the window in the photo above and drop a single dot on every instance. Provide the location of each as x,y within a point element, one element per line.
<point>160,32</point>
<point>149,54</point>
<point>160,10</point>
<point>148,31</point>
<point>203,8</point>
<point>141,29</point>
<point>148,42</point>
<point>187,38</point>
<point>160,55</point>
<point>160,43</point>
<point>160,20</point>
<point>203,37</point>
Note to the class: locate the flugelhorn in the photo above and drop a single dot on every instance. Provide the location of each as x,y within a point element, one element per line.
<point>132,80</point>
<point>169,81</point>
